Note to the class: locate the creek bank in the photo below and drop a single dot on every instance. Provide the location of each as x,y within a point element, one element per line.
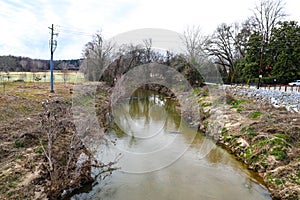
<point>266,139</point>
<point>42,156</point>
<point>253,131</point>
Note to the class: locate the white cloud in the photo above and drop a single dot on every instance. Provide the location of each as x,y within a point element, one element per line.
<point>24,24</point>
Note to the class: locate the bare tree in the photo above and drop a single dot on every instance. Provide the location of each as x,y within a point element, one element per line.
<point>7,64</point>
<point>24,64</point>
<point>194,42</point>
<point>37,64</point>
<point>266,15</point>
<point>228,45</point>
<point>241,38</point>
<point>97,56</point>
<point>221,47</point>
<point>66,74</point>
<point>68,161</point>
<point>148,46</point>
<point>2,81</point>
<point>65,70</point>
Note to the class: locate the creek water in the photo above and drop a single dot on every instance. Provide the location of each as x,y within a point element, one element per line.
<point>162,158</point>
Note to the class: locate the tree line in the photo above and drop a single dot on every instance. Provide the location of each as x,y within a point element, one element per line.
<point>262,46</point>
<point>105,62</point>
<point>24,64</point>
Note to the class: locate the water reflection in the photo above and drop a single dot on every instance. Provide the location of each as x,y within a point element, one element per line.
<point>154,136</point>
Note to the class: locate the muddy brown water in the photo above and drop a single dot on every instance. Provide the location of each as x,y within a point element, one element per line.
<point>162,158</point>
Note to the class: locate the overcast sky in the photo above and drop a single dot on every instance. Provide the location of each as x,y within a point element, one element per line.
<point>24,24</point>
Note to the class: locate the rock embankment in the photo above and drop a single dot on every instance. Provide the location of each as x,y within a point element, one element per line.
<point>278,99</point>
<point>261,135</point>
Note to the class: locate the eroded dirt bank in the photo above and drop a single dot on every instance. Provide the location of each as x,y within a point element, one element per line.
<point>264,138</point>
<point>41,154</point>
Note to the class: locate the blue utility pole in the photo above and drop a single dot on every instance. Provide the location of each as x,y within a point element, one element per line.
<point>52,49</point>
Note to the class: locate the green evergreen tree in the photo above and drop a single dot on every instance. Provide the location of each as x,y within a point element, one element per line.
<point>285,50</point>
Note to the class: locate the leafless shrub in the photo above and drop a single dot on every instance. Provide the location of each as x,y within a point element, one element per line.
<point>68,162</point>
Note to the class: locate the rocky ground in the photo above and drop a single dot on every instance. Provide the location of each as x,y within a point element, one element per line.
<point>263,136</point>
<point>278,99</point>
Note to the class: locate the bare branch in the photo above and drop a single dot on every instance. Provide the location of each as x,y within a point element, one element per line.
<point>266,15</point>
<point>194,42</point>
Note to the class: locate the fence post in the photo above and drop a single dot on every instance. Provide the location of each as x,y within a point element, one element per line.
<point>285,88</point>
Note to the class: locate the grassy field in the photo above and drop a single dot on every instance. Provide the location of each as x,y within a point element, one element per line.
<point>59,76</point>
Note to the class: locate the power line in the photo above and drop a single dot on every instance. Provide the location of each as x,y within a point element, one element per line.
<point>73,30</point>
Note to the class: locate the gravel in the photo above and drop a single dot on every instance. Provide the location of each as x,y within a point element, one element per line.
<point>278,99</point>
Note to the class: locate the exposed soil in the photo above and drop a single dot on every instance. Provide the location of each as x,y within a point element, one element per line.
<point>30,119</point>
<point>264,138</point>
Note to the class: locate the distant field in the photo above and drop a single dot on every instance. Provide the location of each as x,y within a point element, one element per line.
<point>70,76</point>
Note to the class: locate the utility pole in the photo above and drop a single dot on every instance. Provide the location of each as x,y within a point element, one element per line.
<point>53,45</point>
<point>260,62</point>
<point>260,67</point>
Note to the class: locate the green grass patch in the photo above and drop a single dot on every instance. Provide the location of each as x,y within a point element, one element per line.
<point>19,156</point>
<point>280,143</point>
<point>196,91</point>
<point>279,182</point>
<point>279,153</point>
<point>205,124</point>
<point>248,153</point>
<point>269,178</point>
<point>264,163</point>
<point>250,131</point>
<point>206,104</point>
<point>254,159</point>
<point>262,143</point>
<point>227,139</point>
<point>12,185</point>
<point>284,136</point>
<point>235,103</point>
<point>255,115</point>
<point>245,129</point>
<point>38,150</point>
<point>239,110</point>
<point>295,179</point>
<point>19,144</point>
<point>224,131</point>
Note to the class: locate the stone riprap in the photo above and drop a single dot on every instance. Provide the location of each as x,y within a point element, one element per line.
<point>278,99</point>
